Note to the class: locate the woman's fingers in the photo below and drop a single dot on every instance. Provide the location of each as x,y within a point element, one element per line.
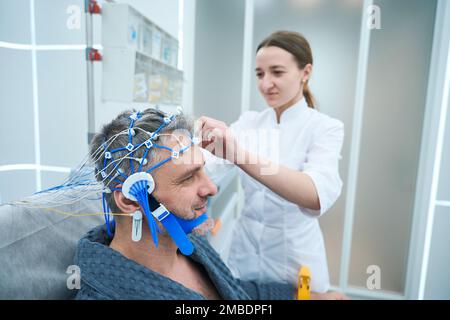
<point>210,130</point>
<point>202,129</point>
<point>216,136</point>
<point>209,123</point>
<point>213,135</point>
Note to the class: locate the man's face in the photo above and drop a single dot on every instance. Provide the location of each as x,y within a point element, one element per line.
<point>182,184</point>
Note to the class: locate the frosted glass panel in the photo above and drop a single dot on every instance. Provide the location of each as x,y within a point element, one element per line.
<point>444,177</point>
<point>16,107</point>
<point>15,21</point>
<point>332,28</point>
<point>60,22</point>
<point>390,144</point>
<point>62,107</point>
<point>438,279</point>
<point>52,179</point>
<point>219,28</point>
<point>15,185</point>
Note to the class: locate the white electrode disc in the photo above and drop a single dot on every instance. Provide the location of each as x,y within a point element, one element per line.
<point>136,177</point>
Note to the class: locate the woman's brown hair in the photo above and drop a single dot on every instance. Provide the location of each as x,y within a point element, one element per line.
<point>298,46</point>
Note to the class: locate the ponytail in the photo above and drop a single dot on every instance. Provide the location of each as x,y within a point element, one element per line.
<point>310,101</point>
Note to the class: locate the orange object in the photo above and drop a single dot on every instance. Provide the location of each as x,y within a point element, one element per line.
<point>217,226</point>
<point>304,279</point>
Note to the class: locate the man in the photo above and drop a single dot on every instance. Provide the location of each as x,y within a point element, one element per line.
<point>114,266</point>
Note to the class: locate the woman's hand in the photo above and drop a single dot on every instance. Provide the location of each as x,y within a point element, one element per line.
<point>217,138</point>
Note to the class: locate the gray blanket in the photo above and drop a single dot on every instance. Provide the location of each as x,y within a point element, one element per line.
<point>37,246</point>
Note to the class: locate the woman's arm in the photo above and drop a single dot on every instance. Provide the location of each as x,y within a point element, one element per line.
<point>293,185</point>
<point>318,182</point>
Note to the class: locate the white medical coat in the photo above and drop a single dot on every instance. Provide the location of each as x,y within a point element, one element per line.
<point>273,236</point>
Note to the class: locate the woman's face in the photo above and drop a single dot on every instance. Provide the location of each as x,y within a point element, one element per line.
<point>279,78</point>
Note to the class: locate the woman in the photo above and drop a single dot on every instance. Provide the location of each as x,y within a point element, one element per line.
<point>278,230</point>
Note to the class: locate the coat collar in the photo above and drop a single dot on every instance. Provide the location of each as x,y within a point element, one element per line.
<point>291,113</point>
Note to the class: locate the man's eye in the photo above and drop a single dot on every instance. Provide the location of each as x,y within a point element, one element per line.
<point>259,75</point>
<point>188,178</point>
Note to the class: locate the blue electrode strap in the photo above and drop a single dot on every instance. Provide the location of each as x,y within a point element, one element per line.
<point>189,225</point>
<point>186,225</point>
<point>169,221</point>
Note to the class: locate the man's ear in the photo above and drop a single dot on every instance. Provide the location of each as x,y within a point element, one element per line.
<point>125,205</point>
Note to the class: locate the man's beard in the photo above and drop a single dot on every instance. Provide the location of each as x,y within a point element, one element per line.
<point>204,228</point>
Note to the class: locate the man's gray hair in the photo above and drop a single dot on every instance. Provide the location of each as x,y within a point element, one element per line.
<point>151,119</point>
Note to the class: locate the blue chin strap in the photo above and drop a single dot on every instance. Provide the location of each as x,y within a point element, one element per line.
<point>140,185</point>
<point>189,225</point>
<point>177,228</point>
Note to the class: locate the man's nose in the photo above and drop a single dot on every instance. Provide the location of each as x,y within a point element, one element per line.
<point>208,188</point>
